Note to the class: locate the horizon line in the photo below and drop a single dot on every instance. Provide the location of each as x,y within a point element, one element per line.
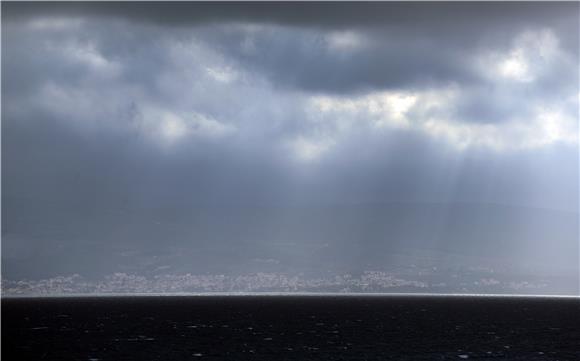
<point>290,294</point>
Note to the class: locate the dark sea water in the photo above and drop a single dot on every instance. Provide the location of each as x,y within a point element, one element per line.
<point>291,328</point>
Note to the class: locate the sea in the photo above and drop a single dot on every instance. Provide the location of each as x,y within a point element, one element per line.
<point>290,327</point>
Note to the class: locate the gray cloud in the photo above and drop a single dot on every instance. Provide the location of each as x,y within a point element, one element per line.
<point>416,42</point>
<point>309,14</point>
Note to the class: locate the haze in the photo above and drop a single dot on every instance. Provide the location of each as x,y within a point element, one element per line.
<point>290,147</point>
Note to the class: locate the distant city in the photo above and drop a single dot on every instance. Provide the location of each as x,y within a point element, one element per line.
<point>367,282</point>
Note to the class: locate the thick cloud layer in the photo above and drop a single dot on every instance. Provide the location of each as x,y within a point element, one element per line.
<point>117,116</point>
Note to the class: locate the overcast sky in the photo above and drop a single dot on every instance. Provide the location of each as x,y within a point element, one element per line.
<point>111,107</point>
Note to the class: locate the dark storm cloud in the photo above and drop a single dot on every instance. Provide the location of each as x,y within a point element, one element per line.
<point>212,126</point>
<point>321,14</point>
<point>417,42</point>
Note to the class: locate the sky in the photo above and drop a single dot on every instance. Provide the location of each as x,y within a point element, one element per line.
<point>223,130</point>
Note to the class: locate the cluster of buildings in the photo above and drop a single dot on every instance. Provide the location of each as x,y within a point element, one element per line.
<point>367,282</point>
<point>257,282</point>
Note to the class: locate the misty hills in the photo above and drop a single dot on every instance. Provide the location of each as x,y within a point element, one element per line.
<point>312,239</point>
